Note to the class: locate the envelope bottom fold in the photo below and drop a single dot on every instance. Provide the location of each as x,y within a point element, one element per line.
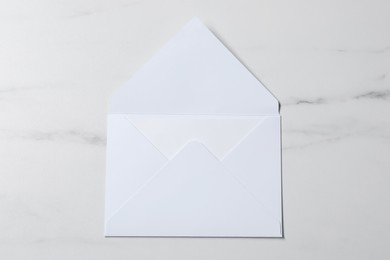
<point>193,195</point>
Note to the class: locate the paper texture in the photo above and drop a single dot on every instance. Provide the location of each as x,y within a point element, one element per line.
<point>193,146</point>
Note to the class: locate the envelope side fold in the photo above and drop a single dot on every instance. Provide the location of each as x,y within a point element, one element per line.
<point>193,195</point>
<point>131,160</point>
<point>256,162</point>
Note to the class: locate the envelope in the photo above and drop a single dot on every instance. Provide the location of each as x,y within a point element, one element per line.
<point>193,146</point>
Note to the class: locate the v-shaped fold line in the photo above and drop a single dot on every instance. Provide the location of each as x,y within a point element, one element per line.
<point>145,137</point>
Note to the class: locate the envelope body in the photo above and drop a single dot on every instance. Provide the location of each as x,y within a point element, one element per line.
<point>193,146</point>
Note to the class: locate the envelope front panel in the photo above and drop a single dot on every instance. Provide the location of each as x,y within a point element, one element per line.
<point>193,176</point>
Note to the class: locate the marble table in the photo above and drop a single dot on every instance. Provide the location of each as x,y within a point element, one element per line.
<point>328,63</point>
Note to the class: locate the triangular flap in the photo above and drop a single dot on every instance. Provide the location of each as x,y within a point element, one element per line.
<point>193,195</point>
<point>131,161</point>
<point>256,162</point>
<point>194,73</point>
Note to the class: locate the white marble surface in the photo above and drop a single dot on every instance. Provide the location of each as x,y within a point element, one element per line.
<point>328,62</point>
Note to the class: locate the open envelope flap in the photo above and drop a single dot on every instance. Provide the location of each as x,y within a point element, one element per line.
<point>193,195</point>
<point>194,74</point>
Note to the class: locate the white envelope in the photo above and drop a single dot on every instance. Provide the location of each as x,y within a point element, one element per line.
<point>193,146</point>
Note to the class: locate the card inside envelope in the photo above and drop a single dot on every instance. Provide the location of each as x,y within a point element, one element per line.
<point>193,146</point>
